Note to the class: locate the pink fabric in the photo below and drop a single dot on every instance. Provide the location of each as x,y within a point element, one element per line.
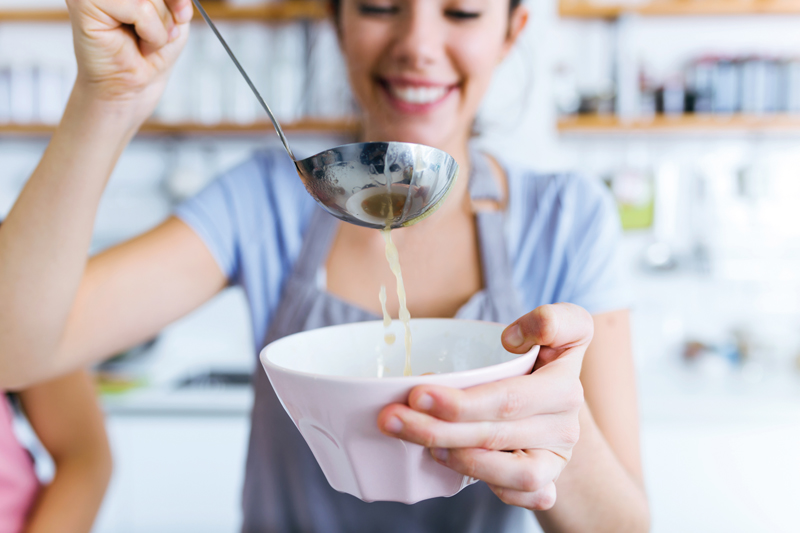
<point>18,483</point>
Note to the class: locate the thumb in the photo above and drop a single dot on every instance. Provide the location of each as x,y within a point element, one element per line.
<point>556,326</point>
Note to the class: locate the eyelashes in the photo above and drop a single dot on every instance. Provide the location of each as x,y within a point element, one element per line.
<point>462,15</point>
<point>386,10</point>
<point>377,10</point>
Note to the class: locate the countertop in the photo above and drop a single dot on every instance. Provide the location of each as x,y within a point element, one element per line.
<point>668,392</point>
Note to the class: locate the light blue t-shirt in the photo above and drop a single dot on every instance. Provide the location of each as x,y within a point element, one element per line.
<point>562,233</point>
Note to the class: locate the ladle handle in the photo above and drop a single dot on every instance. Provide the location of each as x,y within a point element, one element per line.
<point>246,78</point>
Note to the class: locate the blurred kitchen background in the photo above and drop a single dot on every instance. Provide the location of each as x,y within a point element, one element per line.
<point>685,108</point>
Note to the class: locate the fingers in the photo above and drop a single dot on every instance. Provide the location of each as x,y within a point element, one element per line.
<point>555,432</point>
<point>550,390</point>
<point>523,470</point>
<point>182,10</point>
<point>558,326</point>
<point>541,500</point>
<point>153,22</point>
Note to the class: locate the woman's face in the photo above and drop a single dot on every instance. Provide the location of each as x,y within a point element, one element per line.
<point>419,68</point>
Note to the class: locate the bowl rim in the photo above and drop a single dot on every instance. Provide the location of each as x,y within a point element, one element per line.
<point>532,353</point>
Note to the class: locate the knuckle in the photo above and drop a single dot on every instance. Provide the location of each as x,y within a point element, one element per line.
<point>530,480</point>
<point>427,437</point>
<point>148,11</point>
<point>575,396</point>
<point>146,8</point>
<point>496,437</point>
<point>454,411</point>
<point>545,499</point>
<point>547,323</point>
<point>571,433</point>
<point>511,405</point>
<point>468,463</point>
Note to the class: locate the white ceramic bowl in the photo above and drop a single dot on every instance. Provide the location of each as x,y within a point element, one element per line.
<point>327,380</point>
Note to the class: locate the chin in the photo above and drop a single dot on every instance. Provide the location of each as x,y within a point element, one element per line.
<point>428,134</point>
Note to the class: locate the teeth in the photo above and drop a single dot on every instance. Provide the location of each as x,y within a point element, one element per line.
<point>418,95</point>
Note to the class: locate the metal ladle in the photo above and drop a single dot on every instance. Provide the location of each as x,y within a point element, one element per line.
<point>373,184</point>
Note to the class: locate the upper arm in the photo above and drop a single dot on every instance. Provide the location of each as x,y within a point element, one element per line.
<point>131,291</point>
<point>609,383</point>
<point>596,270</point>
<point>66,417</point>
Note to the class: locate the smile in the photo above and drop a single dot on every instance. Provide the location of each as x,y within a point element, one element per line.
<point>416,97</point>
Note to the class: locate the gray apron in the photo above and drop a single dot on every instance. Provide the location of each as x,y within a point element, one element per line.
<point>285,489</point>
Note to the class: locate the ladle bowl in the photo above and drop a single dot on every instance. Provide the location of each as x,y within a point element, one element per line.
<point>379,184</point>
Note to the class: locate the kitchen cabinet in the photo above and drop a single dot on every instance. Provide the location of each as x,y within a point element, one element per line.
<point>179,470</point>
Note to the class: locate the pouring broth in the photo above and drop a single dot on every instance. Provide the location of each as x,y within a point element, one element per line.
<point>393,257</point>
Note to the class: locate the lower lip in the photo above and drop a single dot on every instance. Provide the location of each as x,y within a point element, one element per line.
<point>408,107</point>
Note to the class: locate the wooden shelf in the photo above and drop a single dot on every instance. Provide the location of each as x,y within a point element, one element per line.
<point>284,10</point>
<point>678,8</point>
<point>595,124</point>
<point>345,127</point>
<point>588,10</point>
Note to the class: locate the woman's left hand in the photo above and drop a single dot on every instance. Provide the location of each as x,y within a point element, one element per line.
<point>515,434</point>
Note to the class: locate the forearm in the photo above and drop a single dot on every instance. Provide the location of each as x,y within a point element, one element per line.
<point>69,504</point>
<point>595,492</point>
<point>44,242</point>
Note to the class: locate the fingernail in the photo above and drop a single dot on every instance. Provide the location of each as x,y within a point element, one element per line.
<point>393,425</point>
<point>424,402</point>
<point>440,454</point>
<point>512,336</point>
<point>174,32</point>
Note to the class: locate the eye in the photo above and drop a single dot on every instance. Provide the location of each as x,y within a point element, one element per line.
<point>377,9</point>
<point>458,14</point>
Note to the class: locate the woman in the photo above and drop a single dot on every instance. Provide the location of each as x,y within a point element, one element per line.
<point>419,69</point>
<point>67,420</point>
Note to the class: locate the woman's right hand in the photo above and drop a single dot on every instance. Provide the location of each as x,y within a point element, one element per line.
<point>125,48</point>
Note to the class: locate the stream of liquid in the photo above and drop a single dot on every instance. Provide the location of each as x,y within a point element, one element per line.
<point>387,320</point>
<point>394,263</point>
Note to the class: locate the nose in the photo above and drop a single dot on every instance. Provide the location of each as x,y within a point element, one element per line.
<point>420,39</point>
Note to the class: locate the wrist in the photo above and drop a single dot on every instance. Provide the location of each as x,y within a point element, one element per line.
<point>87,113</point>
<point>126,111</point>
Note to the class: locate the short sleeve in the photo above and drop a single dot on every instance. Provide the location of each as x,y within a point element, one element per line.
<point>564,241</point>
<point>200,212</point>
<point>596,269</point>
<point>212,214</point>
<point>252,219</point>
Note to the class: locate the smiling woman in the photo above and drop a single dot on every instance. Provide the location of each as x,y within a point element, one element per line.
<point>507,241</point>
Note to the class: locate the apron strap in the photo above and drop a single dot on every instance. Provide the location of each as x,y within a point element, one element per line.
<point>482,185</point>
<point>495,262</point>
<point>316,244</point>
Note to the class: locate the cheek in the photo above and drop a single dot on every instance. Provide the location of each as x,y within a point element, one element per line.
<point>477,63</point>
<point>361,46</point>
